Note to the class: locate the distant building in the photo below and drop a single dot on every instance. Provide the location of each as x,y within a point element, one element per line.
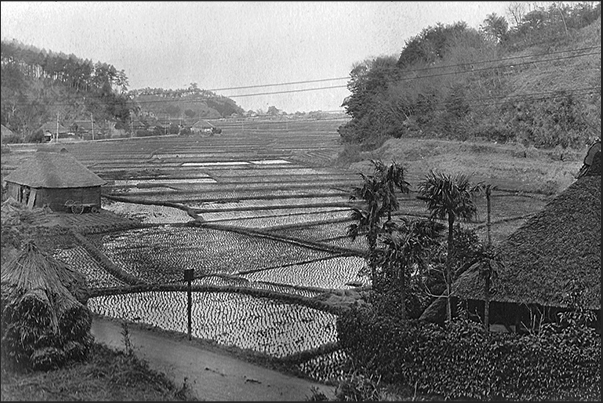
<point>52,178</point>
<point>50,130</point>
<point>6,132</point>
<point>202,126</point>
<point>83,128</point>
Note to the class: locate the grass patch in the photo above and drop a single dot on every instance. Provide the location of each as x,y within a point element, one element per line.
<point>106,375</point>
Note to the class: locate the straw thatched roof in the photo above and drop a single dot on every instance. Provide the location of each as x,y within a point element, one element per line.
<point>6,131</point>
<point>54,170</point>
<point>203,124</point>
<point>44,318</point>
<point>52,127</point>
<point>11,210</point>
<point>559,244</point>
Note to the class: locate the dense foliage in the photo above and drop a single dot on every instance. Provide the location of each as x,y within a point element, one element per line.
<point>498,83</point>
<point>463,361</point>
<point>38,84</point>
<point>188,104</point>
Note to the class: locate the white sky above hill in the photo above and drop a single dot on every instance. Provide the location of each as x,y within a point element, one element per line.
<point>232,44</point>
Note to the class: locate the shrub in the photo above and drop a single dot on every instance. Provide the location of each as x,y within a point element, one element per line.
<point>463,361</point>
<point>357,387</point>
<point>143,133</point>
<point>11,139</point>
<point>35,137</point>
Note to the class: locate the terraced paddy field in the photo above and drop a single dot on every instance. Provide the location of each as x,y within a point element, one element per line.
<point>270,214</point>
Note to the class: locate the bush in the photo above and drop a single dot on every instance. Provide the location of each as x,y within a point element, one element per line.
<point>144,133</point>
<point>35,137</point>
<point>463,361</point>
<point>11,139</point>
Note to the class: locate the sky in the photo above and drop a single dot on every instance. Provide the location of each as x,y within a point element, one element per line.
<point>225,45</point>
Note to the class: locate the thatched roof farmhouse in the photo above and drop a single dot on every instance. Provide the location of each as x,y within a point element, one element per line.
<point>52,178</point>
<point>45,321</point>
<point>559,245</point>
<point>50,130</point>
<point>202,126</point>
<point>6,132</point>
<point>554,250</point>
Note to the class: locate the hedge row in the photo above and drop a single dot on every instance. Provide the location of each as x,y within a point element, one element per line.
<point>465,362</point>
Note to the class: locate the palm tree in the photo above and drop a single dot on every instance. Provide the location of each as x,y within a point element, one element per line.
<point>406,244</point>
<point>392,178</point>
<point>379,197</point>
<point>448,197</point>
<point>367,218</point>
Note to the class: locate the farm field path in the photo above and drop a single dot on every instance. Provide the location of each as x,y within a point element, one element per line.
<point>210,375</point>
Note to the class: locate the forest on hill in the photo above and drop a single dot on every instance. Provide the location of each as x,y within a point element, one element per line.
<point>44,87</point>
<point>535,80</point>
<point>186,103</point>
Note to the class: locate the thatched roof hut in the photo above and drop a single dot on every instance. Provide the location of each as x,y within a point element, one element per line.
<point>44,318</point>
<point>6,132</point>
<point>52,178</point>
<point>542,259</point>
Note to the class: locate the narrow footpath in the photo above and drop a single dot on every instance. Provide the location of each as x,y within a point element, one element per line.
<point>211,376</point>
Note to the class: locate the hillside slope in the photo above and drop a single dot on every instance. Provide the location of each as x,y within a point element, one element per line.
<point>538,84</point>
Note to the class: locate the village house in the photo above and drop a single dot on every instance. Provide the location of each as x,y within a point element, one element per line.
<point>51,179</point>
<point>557,252</point>
<point>50,130</point>
<point>202,126</point>
<point>6,133</point>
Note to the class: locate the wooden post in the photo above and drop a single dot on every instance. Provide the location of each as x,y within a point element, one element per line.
<point>189,275</point>
<point>488,223</point>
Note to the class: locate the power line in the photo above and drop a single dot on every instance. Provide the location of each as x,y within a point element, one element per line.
<point>494,101</point>
<point>279,84</point>
<point>407,71</point>
<point>345,86</point>
<point>394,81</point>
<point>401,79</point>
<point>285,92</point>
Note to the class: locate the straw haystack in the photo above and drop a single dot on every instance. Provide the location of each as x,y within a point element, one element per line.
<point>44,318</point>
<point>11,212</point>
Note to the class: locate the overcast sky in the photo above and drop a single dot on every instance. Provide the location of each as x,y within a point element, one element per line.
<point>232,44</point>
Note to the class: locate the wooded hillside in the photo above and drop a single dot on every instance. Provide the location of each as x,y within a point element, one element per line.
<point>537,82</point>
<point>40,86</point>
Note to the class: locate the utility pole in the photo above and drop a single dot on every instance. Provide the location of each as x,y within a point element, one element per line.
<point>57,134</point>
<point>488,223</point>
<point>92,121</point>
<point>189,275</point>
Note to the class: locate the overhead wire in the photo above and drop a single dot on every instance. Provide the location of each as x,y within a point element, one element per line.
<point>410,78</point>
<point>346,86</point>
<point>407,70</point>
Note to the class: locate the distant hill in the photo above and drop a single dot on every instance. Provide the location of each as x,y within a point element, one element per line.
<point>191,103</point>
<point>41,86</point>
<point>537,82</point>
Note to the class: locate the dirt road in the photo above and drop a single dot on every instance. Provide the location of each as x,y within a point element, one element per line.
<point>210,375</point>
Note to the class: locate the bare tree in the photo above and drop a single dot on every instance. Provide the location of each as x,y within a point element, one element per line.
<point>516,11</point>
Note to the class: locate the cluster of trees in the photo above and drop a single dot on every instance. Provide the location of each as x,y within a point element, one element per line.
<point>457,82</point>
<point>411,258</point>
<point>406,255</point>
<point>38,84</point>
<point>191,102</point>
